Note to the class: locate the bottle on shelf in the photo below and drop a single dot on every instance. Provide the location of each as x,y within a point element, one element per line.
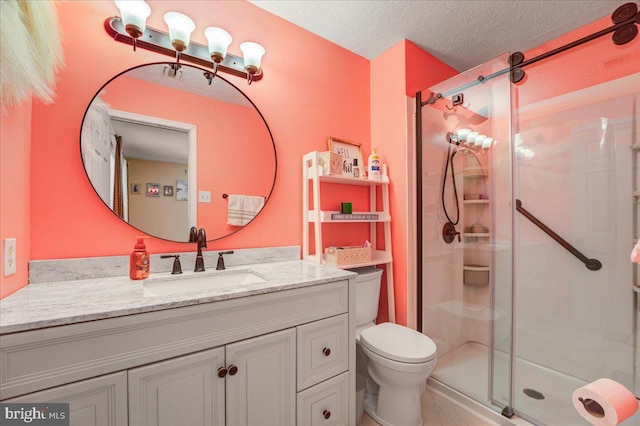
<point>373,172</point>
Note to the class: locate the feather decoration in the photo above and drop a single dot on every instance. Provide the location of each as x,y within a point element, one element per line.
<point>30,51</point>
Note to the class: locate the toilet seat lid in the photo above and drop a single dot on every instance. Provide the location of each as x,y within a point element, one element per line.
<point>398,343</point>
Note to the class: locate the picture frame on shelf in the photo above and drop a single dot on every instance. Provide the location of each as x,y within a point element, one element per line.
<point>350,151</point>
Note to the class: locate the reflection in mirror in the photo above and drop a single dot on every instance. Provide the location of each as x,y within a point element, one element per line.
<point>162,146</point>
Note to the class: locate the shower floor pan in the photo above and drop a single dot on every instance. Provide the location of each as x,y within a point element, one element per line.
<point>466,369</point>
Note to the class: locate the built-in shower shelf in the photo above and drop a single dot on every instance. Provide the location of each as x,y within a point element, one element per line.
<point>476,201</point>
<point>478,268</point>
<point>474,174</point>
<point>477,234</point>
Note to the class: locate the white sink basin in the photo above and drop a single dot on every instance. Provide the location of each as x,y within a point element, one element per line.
<point>161,285</point>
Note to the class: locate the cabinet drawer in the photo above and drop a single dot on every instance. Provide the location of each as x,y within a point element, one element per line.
<point>323,350</point>
<point>325,404</point>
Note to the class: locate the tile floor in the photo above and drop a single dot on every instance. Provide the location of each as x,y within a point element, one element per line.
<point>439,410</point>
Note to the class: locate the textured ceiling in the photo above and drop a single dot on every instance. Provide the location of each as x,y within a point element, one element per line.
<point>461,33</point>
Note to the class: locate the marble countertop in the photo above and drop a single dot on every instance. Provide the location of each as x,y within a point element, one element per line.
<point>52,304</point>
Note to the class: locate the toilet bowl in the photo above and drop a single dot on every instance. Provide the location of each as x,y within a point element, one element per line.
<point>395,360</point>
<point>399,360</point>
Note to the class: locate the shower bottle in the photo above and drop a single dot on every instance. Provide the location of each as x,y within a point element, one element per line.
<point>373,172</point>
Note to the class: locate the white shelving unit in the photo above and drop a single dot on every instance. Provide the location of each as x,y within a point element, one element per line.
<point>312,172</point>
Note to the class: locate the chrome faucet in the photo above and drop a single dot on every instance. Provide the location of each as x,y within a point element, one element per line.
<point>199,237</point>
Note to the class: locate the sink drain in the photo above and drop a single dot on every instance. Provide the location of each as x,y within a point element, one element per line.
<point>532,393</point>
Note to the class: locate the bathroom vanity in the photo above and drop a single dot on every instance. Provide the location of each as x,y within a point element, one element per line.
<point>277,351</point>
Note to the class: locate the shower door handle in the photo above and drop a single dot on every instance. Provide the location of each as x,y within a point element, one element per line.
<point>591,264</point>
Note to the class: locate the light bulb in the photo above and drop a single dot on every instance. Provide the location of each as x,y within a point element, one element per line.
<point>462,134</point>
<point>478,140</point>
<point>471,137</point>
<point>486,144</point>
<point>134,14</point>
<point>219,40</point>
<point>180,29</point>
<point>252,53</point>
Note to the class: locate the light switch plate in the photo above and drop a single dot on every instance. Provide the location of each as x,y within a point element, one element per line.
<point>204,196</point>
<point>9,256</point>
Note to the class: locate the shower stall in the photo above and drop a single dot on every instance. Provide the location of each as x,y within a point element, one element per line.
<point>528,199</point>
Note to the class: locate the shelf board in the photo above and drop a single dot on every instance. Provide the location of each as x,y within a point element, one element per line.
<point>346,180</point>
<point>476,201</point>
<point>378,257</point>
<point>476,268</point>
<point>476,234</point>
<point>474,172</point>
<point>325,217</point>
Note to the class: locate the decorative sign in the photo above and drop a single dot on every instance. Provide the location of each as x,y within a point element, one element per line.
<point>352,156</point>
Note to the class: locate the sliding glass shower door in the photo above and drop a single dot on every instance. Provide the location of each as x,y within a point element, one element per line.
<point>527,287</point>
<point>575,170</point>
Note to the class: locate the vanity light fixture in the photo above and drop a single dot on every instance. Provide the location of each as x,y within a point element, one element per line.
<point>219,41</point>
<point>131,28</point>
<point>253,53</point>
<point>134,17</point>
<point>180,29</point>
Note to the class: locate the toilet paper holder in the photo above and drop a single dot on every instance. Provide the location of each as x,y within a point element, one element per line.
<point>592,407</point>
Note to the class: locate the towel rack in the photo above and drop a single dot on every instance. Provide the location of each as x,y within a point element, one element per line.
<point>591,264</point>
<point>227,196</point>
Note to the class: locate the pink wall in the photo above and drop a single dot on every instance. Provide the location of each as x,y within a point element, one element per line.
<point>423,69</point>
<point>292,96</point>
<point>248,143</point>
<point>15,149</point>
<point>399,72</point>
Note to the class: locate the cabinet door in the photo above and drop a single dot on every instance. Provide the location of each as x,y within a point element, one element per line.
<point>180,391</point>
<point>263,390</point>
<point>95,402</point>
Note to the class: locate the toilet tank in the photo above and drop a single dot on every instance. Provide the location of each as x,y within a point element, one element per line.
<point>367,294</point>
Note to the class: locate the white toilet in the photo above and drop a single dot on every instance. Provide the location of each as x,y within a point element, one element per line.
<point>396,358</point>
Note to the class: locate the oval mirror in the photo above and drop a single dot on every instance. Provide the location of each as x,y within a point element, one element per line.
<point>167,149</point>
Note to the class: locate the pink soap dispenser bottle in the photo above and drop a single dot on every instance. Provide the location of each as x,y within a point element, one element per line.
<point>139,261</point>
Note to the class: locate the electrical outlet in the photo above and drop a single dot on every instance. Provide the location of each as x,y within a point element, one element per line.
<point>204,196</point>
<point>9,256</point>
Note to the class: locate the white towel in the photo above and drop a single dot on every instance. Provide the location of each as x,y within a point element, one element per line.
<point>242,208</point>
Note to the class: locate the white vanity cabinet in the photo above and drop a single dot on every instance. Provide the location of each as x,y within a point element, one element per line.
<point>267,359</point>
<point>101,401</point>
<point>181,391</point>
<point>263,390</point>
<point>252,380</point>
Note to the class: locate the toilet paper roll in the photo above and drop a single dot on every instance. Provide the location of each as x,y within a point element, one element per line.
<point>604,402</point>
